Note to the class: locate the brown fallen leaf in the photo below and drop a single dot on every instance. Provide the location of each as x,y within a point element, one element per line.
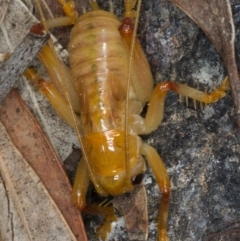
<point>27,212</point>
<point>215,19</point>
<point>133,206</point>
<point>28,137</point>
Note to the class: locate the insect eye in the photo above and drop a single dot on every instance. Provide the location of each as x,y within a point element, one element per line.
<point>137,179</point>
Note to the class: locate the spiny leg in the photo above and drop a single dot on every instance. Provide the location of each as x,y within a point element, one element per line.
<point>156,104</point>
<point>200,96</point>
<point>162,178</point>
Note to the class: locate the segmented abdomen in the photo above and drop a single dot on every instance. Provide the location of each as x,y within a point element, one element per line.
<point>99,66</point>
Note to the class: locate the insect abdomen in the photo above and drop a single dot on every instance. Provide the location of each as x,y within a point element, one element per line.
<point>99,66</point>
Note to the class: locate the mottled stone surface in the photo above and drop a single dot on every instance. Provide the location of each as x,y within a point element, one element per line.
<point>201,148</point>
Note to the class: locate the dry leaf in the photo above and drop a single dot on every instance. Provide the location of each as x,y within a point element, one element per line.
<point>14,28</point>
<point>27,136</point>
<point>133,206</point>
<point>27,212</point>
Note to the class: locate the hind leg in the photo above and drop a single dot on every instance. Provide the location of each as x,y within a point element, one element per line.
<point>156,104</point>
<point>162,178</point>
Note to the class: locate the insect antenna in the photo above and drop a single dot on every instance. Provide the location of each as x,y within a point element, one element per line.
<point>127,164</point>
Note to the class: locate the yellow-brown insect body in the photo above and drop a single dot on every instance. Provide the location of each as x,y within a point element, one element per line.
<point>113,82</point>
<point>99,70</point>
<point>99,61</point>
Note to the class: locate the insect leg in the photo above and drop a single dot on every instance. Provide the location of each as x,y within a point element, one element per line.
<point>53,64</point>
<point>187,91</point>
<point>141,76</point>
<point>81,184</point>
<point>162,178</point>
<point>108,212</point>
<point>69,19</point>
<point>57,70</point>
<point>156,104</point>
<point>80,187</point>
<point>53,95</point>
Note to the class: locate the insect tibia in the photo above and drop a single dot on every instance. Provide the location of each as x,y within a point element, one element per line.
<point>194,94</point>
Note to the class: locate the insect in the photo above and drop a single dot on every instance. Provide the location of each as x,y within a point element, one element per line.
<point>110,111</point>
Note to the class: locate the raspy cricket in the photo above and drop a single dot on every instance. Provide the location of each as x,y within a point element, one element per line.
<point>118,84</point>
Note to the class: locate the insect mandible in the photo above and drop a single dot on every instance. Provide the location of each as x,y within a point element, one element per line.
<point>112,82</point>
